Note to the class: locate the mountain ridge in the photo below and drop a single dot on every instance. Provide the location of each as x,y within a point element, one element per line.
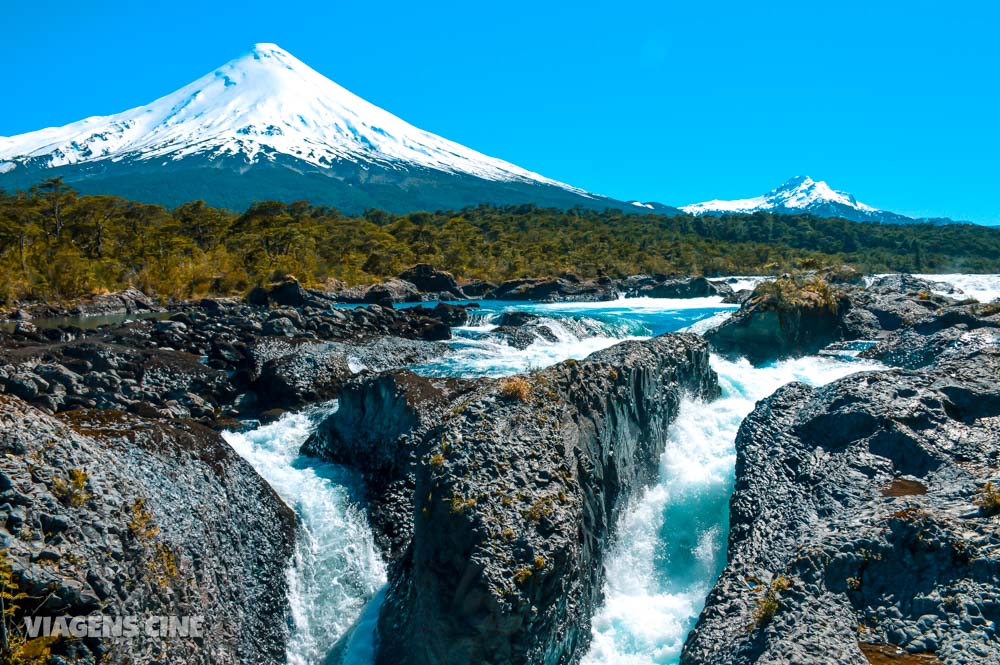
<point>269,112</point>
<point>802,194</point>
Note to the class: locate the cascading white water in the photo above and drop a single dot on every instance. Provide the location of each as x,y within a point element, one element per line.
<point>984,288</point>
<point>671,543</point>
<point>336,568</point>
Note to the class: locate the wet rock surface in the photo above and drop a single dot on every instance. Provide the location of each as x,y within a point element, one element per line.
<point>106,512</point>
<point>218,360</point>
<point>513,486</point>
<point>862,521</point>
<point>951,330</point>
<point>127,501</point>
<point>661,286</point>
<point>797,316</point>
<point>568,288</point>
<point>429,280</point>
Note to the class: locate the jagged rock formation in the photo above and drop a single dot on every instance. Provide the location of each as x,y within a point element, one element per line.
<point>106,512</point>
<point>920,344</point>
<point>429,280</point>
<point>219,360</point>
<point>860,522</point>
<point>786,317</point>
<point>796,316</point>
<point>513,486</point>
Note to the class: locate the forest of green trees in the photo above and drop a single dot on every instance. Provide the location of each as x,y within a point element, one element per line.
<point>56,244</point>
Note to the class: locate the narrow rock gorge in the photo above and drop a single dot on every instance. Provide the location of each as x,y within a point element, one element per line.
<point>514,486</point>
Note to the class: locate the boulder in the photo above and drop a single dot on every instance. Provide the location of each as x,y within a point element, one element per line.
<point>280,326</point>
<point>450,315</point>
<point>790,316</point>
<point>308,374</point>
<point>666,287</point>
<point>428,280</point>
<point>922,343</point>
<point>555,290</point>
<point>390,292</point>
<point>288,293</point>
<point>477,288</point>
<point>129,301</point>
<point>515,319</point>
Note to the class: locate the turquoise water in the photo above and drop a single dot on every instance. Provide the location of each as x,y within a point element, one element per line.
<point>670,543</point>
<point>578,328</point>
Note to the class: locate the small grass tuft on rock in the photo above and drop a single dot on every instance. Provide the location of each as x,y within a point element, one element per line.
<point>989,499</point>
<point>74,492</point>
<point>769,603</point>
<point>516,388</point>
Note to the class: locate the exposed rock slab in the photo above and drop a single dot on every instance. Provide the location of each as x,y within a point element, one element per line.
<point>107,512</point>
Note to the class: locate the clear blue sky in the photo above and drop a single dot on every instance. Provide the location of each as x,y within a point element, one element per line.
<point>895,101</point>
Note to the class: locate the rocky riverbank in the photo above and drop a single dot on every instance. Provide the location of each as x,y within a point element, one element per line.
<point>119,497</point>
<point>801,315</point>
<point>216,361</point>
<point>423,282</point>
<point>862,524</point>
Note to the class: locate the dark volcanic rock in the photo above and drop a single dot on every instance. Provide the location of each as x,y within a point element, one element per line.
<point>287,293</point>
<point>129,301</point>
<point>450,315</point>
<point>794,316</point>
<point>379,429</point>
<point>309,373</point>
<point>555,290</point>
<point>786,317</point>
<point>110,513</point>
<point>197,365</point>
<point>896,301</point>
<point>513,485</point>
<point>923,342</point>
<point>390,292</point>
<point>428,280</point>
<point>643,286</point>
<point>515,319</point>
<point>477,288</point>
<point>288,374</point>
<point>854,519</point>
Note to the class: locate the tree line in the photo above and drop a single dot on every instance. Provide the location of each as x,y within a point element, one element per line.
<point>57,244</point>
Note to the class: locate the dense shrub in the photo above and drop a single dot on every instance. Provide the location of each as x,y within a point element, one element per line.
<point>57,244</point>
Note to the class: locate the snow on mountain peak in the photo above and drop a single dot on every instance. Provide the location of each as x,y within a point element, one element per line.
<point>798,193</point>
<point>261,105</point>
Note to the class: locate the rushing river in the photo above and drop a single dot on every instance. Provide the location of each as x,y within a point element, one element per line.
<point>670,543</point>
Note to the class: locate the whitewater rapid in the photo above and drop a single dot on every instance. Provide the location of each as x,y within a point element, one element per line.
<point>670,545</point>
<point>336,568</point>
<point>984,288</point>
<point>671,542</point>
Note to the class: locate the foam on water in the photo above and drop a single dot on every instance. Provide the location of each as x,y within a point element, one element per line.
<point>984,288</point>
<point>579,329</point>
<point>671,543</point>
<point>336,568</point>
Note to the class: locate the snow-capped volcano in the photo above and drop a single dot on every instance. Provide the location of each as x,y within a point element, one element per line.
<point>802,194</point>
<point>267,108</point>
<point>797,195</point>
